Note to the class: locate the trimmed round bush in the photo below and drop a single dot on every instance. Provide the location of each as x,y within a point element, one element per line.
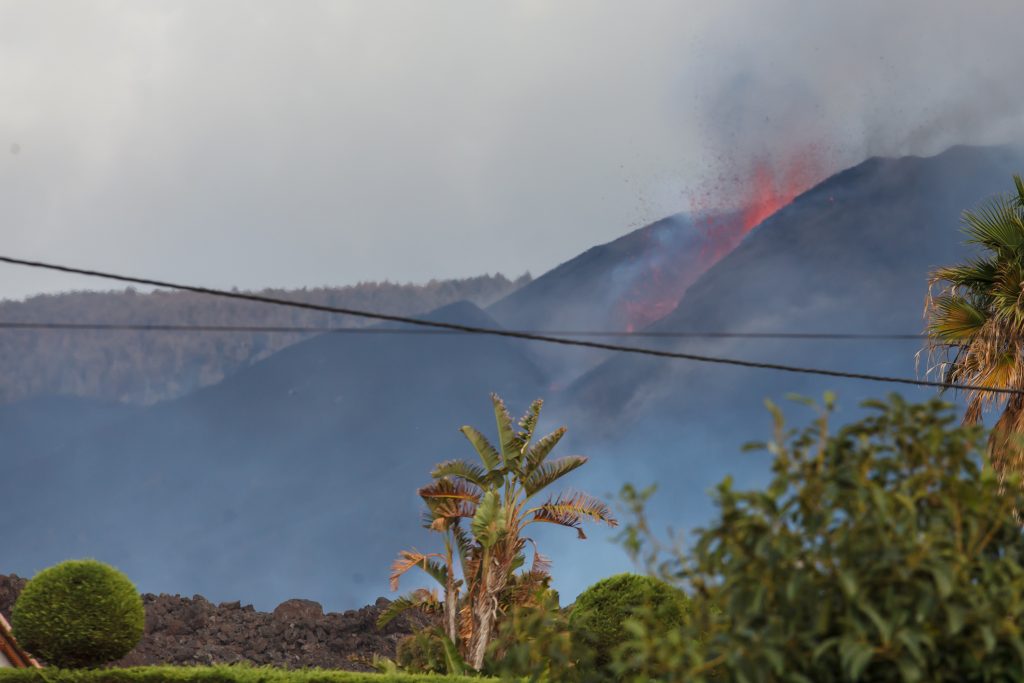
<point>78,614</point>
<point>596,622</point>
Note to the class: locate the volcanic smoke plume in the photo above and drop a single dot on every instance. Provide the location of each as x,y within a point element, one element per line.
<point>722,212</point>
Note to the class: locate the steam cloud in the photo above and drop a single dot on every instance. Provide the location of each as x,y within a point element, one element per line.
<point>320,136</point>
<point>839,82</point>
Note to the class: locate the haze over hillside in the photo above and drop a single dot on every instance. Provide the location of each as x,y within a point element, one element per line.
<point>296,476</point>
<point>146,367</point>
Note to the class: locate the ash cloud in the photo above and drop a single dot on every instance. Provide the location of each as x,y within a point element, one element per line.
<point>853,80</point>
<point>480,136</point>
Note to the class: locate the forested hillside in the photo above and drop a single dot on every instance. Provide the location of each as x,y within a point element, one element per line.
<point>145,366</point>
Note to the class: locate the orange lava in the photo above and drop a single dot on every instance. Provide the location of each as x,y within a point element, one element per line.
<point>766,187</point>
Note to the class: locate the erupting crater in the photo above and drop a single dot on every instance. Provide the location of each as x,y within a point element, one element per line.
<point>670,266</point>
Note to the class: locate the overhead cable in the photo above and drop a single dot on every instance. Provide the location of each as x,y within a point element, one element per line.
<point>512,334</point>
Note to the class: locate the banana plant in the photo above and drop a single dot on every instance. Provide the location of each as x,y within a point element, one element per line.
<point>483,509</point>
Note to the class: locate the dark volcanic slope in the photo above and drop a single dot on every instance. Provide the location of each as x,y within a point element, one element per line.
<point>624,284</point>
<point>293,477</point>
<point>577,294</point>
<point>851,255</point>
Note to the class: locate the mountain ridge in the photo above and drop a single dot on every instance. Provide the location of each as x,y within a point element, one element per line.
<point>145,367</point>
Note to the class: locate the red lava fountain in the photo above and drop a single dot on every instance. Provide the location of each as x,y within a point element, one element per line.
<point>764,189</point>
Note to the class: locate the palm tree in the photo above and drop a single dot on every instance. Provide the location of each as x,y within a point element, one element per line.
<point>498,497</point>
<point>976,322</point>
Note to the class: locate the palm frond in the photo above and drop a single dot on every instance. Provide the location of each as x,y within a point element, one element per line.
<point>420,599</point>
<point>972,415</point>
<point>463,544</point>
<point>489,523</point>
<point>996,225</point>
<point>455,479</point>
<point>471,570</point>
<point>539,451</point>
<point>976,319</point>
<point>527,588</point>
<point>975,274</point>
<point>1001,372</point>
<point>407,559</point>
<point>547,473</point>
<point>466,623</point>
<point>570,510</point>
<point>448,512</point>
<point>528,422</point>
<point>955,319</point>
<point>488,453</point>
<point>507,435</point>
<point>541,563</point>
<point>1005,448</point>
<point>469,559</point>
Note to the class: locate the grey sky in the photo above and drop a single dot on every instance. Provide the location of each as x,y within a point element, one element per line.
<point>291,143</point>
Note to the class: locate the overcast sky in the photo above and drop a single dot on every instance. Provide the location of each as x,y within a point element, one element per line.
<point>293,143</point>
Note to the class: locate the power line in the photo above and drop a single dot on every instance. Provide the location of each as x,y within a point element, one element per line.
<point>512,334</point>
<point>315,329</point>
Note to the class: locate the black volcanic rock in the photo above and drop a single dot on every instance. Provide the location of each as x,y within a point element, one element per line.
<point>189,631</point>
<point>10,588</point>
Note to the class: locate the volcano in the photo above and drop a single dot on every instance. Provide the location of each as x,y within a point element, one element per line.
<point>297,475</point>
<point>622,286</point>
<point>850,255</point>
<point>629,283</point>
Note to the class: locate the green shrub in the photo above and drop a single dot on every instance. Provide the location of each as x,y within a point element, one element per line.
<point>598,620</point>
<point>533,643</point>
<point>422,652</point>
<point>80,613</point>
<point>884,552</point>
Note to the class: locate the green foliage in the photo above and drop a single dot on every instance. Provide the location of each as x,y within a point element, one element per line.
<point>219,674</point>
<point>533,644</point>
<point>598,621</point>
<point>80,613</point>
<point>885,552</point>
<point>453,661</point>
<point>976,322</point>
<point>483,569</point>
<point>422,652</point>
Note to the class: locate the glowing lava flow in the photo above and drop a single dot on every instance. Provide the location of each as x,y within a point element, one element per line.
<point>670,270</point>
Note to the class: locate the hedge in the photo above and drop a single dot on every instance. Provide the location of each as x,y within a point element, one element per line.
<point>79,613</point>
<point>599,615</point>
<point>217,674</point>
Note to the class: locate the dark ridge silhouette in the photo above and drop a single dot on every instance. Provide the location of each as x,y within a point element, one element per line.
<point>148,367</point>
